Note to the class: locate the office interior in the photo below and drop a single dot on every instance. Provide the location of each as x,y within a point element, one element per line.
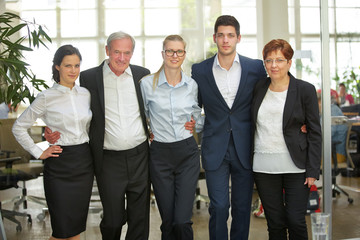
<point>87,23</point>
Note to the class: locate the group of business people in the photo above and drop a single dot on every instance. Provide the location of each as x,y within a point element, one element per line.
<point>250,121</point>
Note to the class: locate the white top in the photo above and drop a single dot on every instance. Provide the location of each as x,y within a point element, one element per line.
<point>123,125</point>
<point>271,154</point>
<point>63,110</point>
<point>227,81</point>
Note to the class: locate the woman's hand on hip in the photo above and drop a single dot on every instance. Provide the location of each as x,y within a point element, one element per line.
<point>52,151</point>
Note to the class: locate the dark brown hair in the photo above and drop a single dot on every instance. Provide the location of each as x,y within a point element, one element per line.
<point>227,20</point>
<point>59,56</point>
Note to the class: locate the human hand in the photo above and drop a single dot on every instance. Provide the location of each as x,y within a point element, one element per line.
<point>151,137</point>
<point>190,125</point>
<point>51,136</point>
<point>303,128</point>
<point>50,152</point>
<point>310,181</point>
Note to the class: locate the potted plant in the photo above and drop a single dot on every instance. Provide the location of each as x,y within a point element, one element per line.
<point>16,78</point>
<point>351,79</point>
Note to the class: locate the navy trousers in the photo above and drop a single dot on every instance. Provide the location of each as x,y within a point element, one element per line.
<point>241,194</point>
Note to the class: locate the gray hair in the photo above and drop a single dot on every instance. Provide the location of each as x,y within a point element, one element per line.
<point>120,35</point>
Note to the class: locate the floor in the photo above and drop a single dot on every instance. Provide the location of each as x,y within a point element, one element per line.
<point>346,220</point>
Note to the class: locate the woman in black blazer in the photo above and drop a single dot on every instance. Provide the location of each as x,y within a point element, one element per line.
<point>286,160</point>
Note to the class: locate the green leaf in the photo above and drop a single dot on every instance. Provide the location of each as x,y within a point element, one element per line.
<point>17,81</point>
<point>16,29</point>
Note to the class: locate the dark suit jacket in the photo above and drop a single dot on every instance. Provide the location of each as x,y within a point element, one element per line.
<point>301,107</point>
<point>220,121</point>
<point>92,79</point>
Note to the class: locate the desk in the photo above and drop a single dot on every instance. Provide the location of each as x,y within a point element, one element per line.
<point>350,122</point>
<point>37,130</point>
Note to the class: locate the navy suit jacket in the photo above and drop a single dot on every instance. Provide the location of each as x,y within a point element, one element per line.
<point>301,107</point>
<point>222,122</point>
<point>92,79</point>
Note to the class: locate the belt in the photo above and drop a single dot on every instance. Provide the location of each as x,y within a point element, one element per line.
<point>132,151</point>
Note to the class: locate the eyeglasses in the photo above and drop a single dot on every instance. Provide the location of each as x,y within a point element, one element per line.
<point>277,61</point>
<point>170,52</point>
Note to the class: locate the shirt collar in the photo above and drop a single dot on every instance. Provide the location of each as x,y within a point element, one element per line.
<point>162,78</point>
<point>217,63</point>
<point>64,89</point>
<point>107,70</point>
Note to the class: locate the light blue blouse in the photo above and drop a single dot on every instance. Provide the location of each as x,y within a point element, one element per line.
<point>168,108</point>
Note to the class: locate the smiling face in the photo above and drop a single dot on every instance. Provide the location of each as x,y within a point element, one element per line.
<point>120,52</point>
<point>226,40</point>
<point>69,70</point>
<point>173,61</point>
<point>277,68</point>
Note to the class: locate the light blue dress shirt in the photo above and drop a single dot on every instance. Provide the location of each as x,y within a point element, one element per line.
<point>4,110</point>
<point>168,108</point>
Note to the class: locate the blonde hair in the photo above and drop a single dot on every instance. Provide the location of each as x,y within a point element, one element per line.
<point>166,40</point>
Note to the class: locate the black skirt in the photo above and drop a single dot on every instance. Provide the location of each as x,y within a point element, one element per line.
<point>68,181</point>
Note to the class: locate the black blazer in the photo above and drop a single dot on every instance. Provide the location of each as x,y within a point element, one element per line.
<point>301,107</point>
<point>92,79</point>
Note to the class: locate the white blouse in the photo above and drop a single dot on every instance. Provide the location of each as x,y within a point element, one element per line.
<point>271,154</point>
<point>62,109</point>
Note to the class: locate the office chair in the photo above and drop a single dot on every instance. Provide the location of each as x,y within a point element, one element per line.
<point>198,196</point>
<point>10,147</point>
<point>352,156</point>
<point>9,178</point>
<point>2,229</point>
<point>336,189</point>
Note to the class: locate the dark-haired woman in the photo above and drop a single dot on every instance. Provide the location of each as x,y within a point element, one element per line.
<point>68,169</point>
<point>286,160</point>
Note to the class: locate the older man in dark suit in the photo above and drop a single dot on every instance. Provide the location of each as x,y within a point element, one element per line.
<point>226,82</point>
<point>119,140</point>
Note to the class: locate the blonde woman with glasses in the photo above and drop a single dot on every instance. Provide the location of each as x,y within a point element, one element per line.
<point>170,99</point>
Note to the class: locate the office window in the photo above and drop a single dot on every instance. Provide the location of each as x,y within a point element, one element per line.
<point>87,24</point>
<point>160,22</point>
<point>127,20</point>
<point>78,23</point>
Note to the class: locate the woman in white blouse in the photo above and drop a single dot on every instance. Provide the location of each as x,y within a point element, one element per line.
<point>68,167</point>
<point>286,160</point>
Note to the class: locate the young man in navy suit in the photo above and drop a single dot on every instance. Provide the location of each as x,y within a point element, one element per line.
<point>226,83</point>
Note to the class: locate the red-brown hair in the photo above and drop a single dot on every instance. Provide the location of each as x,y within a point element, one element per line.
<point>278,44</point>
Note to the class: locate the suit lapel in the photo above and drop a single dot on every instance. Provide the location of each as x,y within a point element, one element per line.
<point>100,85</point>
<point>290,100</point>
<point>243,79</point>
<point>259,97</point>
<point>137,77</point>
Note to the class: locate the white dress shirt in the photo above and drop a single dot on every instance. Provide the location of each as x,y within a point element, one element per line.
<point>227,81</point>
<point>123,124</point>
<point>62,109</point>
